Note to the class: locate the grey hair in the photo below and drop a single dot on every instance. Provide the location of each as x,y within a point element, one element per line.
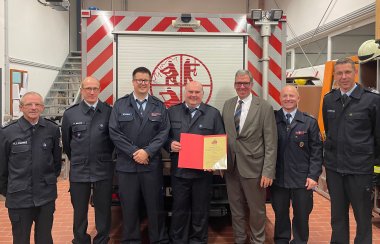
<point>22,100</point>
<point>345,61</point>
<point>241,72</point>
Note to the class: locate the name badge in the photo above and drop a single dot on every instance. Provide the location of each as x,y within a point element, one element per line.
<point>155,114</point>
<point>20,143</point>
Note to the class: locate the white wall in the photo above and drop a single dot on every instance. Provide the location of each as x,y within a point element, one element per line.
<point>38,34</point>
<point>305,15</point>
<point>2,87</point>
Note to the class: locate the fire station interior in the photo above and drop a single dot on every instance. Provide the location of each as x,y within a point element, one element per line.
<point>49,46</point>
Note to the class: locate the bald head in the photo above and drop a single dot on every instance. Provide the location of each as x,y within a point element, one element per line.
<point>193,94</point>
<point>89,79</point>
<point>289,98</point>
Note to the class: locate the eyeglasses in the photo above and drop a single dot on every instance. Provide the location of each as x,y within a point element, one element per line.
<point>29,105</point>
<point>244,84</point>
<point>91,89</point>
<point>141,81</point>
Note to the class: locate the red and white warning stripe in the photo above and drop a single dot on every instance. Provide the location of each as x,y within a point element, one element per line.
<point>97,45</point>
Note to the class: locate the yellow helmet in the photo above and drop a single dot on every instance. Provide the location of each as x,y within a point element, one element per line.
<point>300,81</point>
<point>368,51</point>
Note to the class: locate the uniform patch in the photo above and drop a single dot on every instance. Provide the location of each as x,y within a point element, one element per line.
<point>79,123</point>
<point>155,114</point>
<point>126,114</point>
<point>330,111</point>
<point>20,143</point>
<point>300,132</point>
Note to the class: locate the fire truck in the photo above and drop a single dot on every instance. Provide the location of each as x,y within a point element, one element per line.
<point>180,48</point>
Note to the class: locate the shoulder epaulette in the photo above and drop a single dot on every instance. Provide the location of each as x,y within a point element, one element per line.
<point>308,115</point>
<point>371,90</point>
<point>52,121</point>
<point>332,90</point>
<point>72,106</point>
<point>13,121</point>
<point>108,105</point>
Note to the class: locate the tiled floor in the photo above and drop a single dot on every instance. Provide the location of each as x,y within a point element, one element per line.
<point>220,230</point>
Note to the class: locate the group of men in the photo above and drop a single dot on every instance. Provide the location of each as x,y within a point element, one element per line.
<point>281,150</point>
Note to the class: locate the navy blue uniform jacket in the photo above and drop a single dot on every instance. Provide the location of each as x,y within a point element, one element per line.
<point>86,141</point>
<point>130,132</point>
<point>352,143</point>
<point>29,163</point>
<point>299,153</point>
<point>206,121</point>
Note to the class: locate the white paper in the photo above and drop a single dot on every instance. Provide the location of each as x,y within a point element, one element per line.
<point>15,91</point>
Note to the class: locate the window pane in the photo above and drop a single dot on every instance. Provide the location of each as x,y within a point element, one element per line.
<point>348,43</point>
<point>316,51</point>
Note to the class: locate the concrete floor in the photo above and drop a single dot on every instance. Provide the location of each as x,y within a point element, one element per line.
<point>220,230</point>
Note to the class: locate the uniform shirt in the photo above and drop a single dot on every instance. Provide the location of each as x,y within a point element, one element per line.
<point>87,143</point>
<point>352,144</point>
<point>144,103</point>
<point>293,113</point>
<point>349,92</point>
<point>299,153</point>
<point>206,121</point>
<point>130,132</point>
<point>244,110</point>
<point>30,163</point>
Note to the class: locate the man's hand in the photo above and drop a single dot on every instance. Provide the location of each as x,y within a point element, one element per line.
<point>175,146</point>
<point>265,181</point>
<point>141,157</point>
<point>310,184</point>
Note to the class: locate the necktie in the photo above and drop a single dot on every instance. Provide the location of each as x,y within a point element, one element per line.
<point>344,99</point>
<point>92,110</point>
<point>33,128</point>
<point>288,116</point>
<point>191,111</point>
<point>237,116</point>
<point>140,107</point>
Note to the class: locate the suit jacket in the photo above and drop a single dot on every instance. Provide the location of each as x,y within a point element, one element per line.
<point>87,143</point>
<point>129,132</point>
<point>206,121</point>
<point>254,150</point>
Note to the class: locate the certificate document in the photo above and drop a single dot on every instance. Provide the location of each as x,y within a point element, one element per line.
<point>203,152</point>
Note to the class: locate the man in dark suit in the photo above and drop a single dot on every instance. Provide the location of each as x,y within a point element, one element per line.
<point>252,148</point>
<point>139,127</point>
<point>89,148</point>
<point>299,164</point>
<point>30,162</point>
<point>191,187</point>
<point>351,115</point>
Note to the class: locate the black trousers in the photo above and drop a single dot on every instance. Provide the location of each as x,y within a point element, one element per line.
<point>23,218</point>
<point>80,195</point>
<point>302,204</point>
<point>345,189</point>
<point>191,203</point>
<point>133,188</point>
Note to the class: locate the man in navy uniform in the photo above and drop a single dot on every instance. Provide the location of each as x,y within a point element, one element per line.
<point>87,143</point>
<point>299,164</point>
<point>191,187</point>
<point>351,115</point>
<point>30,162</point>
<point>139,126</point>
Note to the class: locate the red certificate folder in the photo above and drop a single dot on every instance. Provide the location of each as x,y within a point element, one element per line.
<point>193,154</point>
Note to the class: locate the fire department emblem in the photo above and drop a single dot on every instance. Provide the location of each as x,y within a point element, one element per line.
<point>171,75</point>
